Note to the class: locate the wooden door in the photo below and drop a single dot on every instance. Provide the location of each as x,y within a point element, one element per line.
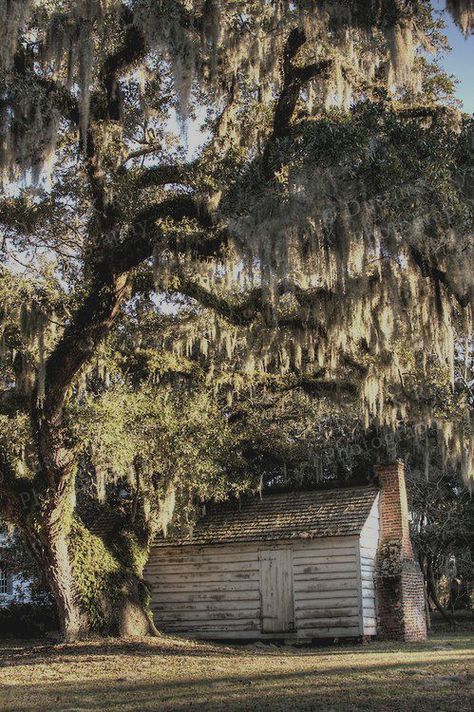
<point>276,590</point>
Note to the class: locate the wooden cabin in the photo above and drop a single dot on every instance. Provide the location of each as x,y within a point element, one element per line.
<point>298,565</point>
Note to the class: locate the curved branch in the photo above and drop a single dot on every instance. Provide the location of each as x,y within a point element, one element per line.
<point>246,311</point>
<point>438,276</point>
<point>132,49</point>
<point>242,314</point>
<point>162,175</point>
<point>293,80</point>
<point>146,150</point>
<point>108,290</point>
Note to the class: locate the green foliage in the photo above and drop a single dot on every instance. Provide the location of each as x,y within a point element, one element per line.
<point>132,550</point>
<point>165,436</point>
<point>108,573</point>
<point>389,560</point>
<point>390,160</point>
<point>16,441</point>
<point>98,575</point>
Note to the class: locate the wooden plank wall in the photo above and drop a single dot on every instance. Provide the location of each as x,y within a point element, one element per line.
<point>326,587</point>
<point>369,539</point>
<point>209,591</point>
<point>276,590</point>
<point>214,591</point>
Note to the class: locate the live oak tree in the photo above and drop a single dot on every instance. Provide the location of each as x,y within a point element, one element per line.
<point>326,219</point>
<point>150,442</point>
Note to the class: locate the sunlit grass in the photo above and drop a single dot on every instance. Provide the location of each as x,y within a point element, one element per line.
<point>177,674</point>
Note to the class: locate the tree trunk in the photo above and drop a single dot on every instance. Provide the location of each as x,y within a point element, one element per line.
<point>72,621</point>
<point>96,593</point>
<point>423,567</point>
<point>97,590</point>
<point>52,553</point>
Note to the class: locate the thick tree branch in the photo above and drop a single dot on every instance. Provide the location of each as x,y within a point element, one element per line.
<point>253,305</point>
<point>320,387</point>
<point>145,234</point>
<point>23,65</point>
<point>109,288</point>
<point>239,314</point>
<point>438,276</point>
<point>164,175</point>
<point>109,273</point>
<point>293,80</point>
<point>131,50</point>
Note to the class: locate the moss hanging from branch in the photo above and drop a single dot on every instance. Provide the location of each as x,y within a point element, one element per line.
<point>462,12</point>
<point>14,16</point>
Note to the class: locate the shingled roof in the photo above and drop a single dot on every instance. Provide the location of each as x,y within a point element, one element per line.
<point>290,515</point>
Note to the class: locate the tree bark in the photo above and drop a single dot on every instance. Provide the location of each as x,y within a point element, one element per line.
<point>52,554</point>
<point>115,604</point>
<point>73,622</point>
<point>98,588</point>
<point>48,524</point>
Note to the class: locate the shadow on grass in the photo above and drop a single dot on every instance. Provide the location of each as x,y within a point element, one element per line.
<point>37,652</point>
<point>369,688</point>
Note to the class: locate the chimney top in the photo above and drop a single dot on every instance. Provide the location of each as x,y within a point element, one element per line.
<point>394,506</point>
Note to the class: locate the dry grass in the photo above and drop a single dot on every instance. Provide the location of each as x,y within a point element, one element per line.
<point>177,674</point>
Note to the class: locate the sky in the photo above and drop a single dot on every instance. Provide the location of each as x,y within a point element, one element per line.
<point>460,61</point>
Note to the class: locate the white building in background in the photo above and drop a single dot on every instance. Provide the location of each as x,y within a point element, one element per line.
<point>14,588</point>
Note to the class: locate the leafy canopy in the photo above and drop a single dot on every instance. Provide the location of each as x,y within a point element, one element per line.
<point>324,226</point>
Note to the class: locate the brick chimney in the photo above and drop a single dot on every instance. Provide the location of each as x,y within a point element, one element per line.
<point>399,581</point>
<point>394,506</point>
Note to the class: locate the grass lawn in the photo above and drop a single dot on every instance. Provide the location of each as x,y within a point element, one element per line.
<point>177,674</point>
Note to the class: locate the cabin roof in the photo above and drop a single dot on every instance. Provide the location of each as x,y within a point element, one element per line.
<point>291,515</point>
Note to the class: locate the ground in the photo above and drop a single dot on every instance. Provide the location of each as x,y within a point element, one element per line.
<point>176,674</point>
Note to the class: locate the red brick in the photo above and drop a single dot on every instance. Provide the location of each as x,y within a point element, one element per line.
<point>400,598</point>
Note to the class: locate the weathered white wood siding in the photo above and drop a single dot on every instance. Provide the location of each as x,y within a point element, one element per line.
<point>326,587</point>
<point>217,592</point>
<point>206,591</point>
<point>276,590</point>
<point>369,539</point>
